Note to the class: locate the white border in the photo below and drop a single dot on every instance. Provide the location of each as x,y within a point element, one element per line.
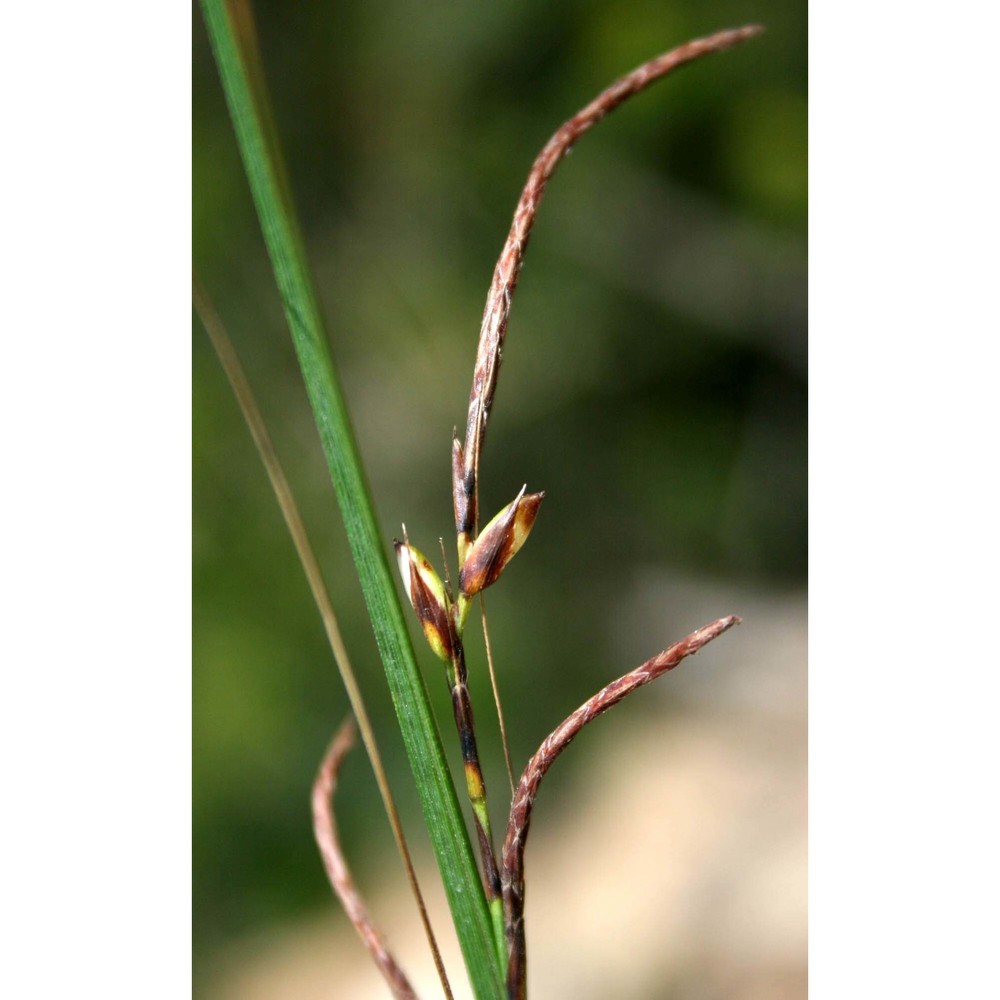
<point>903,501</point>
<point>96,424</point>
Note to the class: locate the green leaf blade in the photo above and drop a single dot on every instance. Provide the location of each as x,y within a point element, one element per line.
<point>230,29</point>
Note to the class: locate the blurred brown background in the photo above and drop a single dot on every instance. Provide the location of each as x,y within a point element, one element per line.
<point>653,386</point>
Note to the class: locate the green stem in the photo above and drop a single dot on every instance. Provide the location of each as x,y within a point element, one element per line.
<point>231,30</point>
<point>475,785</point>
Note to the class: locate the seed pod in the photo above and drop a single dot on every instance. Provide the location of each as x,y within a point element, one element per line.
<point>426,593</point>
<point>498,542</point>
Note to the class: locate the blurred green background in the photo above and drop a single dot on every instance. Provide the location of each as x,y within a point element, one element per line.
<point>654,384</point>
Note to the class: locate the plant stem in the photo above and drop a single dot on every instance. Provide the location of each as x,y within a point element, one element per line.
<point>475,785</point>
<point>231,31</point>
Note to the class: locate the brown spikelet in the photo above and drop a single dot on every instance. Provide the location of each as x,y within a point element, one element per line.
<point>463,498</point>
<point>499,542</point>
<point>501,293</point>
<point>427,596</point>
<point>512,858</point>
<point>325,830</point>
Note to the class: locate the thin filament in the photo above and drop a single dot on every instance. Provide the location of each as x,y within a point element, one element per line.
<point>258,429</point>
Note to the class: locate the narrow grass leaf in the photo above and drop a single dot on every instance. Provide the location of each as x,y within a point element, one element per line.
<point>231,31</point>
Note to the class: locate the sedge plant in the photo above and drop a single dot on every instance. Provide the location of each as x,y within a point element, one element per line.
<point>486,901</point>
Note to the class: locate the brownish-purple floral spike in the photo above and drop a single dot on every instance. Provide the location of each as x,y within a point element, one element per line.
<point>512,858</point>
<point>482,557</point>
<point>493,330</point>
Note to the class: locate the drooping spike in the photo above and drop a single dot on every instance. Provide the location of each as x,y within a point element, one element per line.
<point>512,857</point>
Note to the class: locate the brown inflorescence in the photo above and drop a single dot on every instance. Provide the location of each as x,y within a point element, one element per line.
<point>483,558</point>
<point>493,330</point>
<point>512,858</point>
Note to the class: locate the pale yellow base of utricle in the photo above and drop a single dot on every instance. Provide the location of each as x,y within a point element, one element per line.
<point>474,782</point>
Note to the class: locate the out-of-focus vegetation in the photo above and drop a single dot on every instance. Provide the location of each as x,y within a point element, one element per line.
<point>653,383</point>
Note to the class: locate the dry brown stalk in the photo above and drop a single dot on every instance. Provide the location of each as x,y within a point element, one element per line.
<point>512,858</point>
<point>325,829</point>
<point>230,362</point>
<point>498,300</point>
